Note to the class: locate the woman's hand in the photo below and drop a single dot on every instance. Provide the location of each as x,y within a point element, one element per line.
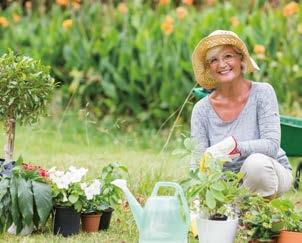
<point>227,147</point>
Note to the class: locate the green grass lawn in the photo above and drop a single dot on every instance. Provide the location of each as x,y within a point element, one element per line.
<point>80,143</point>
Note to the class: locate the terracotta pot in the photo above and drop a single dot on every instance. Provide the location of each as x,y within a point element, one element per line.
<point>90,222</point>
<point>290,237</point>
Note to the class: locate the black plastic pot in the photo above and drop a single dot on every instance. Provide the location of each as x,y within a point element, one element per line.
<point>105,219</point>
<point>66,221</point>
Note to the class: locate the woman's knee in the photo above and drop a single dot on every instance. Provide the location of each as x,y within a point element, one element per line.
<point>259,174</point>
<point>255,164</point>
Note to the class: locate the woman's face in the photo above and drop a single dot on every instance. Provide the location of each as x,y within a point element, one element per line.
<point>225,66</point>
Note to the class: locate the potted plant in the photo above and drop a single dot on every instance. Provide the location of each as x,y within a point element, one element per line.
<point>26,199</point>
<point>262,220</point>
<point>111,195</point>
<point>92,207</point>
<point>26,87</point>
<point>68,198</point>
<point>292,218</point>
<point>217,194</point>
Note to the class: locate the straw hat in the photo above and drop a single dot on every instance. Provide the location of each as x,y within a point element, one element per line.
<point>217,38</point>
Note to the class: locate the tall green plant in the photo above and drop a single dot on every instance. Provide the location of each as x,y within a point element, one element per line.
<point>26,87</point>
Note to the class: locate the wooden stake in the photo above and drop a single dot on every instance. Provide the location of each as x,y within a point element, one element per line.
<point>10,132</point>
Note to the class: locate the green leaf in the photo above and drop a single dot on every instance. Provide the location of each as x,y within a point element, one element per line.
<point>218,195</point>
<point>25,200</point>
<point>4,186</point>
<point>16,214</point>
<point>218,186</point>
<point>73,198</point>
<point>43,200</point>
<point>210,200</point>
<point>276,227</point>
<point>19,160</point>
<point>78,206</point>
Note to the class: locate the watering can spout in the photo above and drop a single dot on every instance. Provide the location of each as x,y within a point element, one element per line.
<point>136,208</point>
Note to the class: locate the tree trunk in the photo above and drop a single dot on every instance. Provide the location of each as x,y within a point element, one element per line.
<point>10,132</point>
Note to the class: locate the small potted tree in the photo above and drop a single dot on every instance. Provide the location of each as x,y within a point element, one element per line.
<point>26,87</point>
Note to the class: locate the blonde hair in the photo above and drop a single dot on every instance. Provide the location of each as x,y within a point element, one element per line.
<point>212,52</point>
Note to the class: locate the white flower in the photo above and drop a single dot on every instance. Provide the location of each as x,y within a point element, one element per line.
<point>63,180</point>
<point>93,189</point>
<point>83,185</point>
<point>76,174</point>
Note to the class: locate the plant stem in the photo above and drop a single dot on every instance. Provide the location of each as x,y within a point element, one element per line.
<point>175,121</point>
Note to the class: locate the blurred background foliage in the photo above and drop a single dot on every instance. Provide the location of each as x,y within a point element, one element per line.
<point>133,58</point>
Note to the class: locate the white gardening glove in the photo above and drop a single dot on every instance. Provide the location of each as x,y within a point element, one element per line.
<point>227,147</point>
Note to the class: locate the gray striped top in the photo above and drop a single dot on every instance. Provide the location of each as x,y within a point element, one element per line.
<point>256,129</point>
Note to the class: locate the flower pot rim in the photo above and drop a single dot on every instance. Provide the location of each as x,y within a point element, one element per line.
<point>291,232</point>
<point>60,206</point>
<point>108,210</point>
<point>228,219</point>
<point>91,214</point>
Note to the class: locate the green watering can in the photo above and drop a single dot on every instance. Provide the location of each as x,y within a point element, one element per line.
<point>164,219</point>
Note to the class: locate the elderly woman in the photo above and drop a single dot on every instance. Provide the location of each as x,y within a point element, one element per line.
<point>240,117</point>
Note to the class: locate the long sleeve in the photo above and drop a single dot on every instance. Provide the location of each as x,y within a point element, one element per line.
<point>269,127</point>
<point>199,134</point>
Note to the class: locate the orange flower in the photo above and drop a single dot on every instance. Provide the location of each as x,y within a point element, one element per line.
<point>16,17</point>
<point>234,21</point>
<point>164,2</point>
<point>67,24</point>
<point>76,5</point>
<point>259,50</point>
<point>181,12</point>
<point>290,9</point>
<point>167,26</point>
<point>4,22</point>
<point>169,19</point>
<point>210,2</point>
<point>62,2</point>
<point>300,28</point>
<point>122,8</point>
<point>187,2</point>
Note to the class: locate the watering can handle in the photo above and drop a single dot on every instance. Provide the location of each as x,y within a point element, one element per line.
<point>178,190</point>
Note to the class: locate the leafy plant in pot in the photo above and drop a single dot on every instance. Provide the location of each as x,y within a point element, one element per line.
<point>111,195</point>
<point>92,207</point>
<point>292,218</point>
<point>26,199</point>
<point>261,219</point>
<point>216,195</point>
<point>68,198</point>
